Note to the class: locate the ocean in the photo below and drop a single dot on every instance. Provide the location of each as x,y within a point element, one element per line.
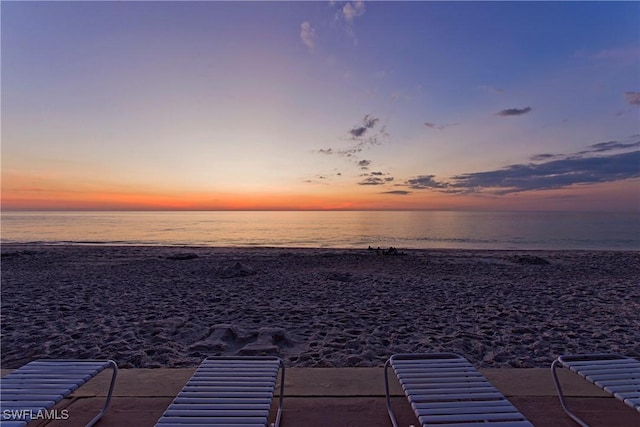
<point>330,229</point>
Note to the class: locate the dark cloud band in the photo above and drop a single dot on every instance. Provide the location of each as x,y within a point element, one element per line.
<point>514,111</point>
<point>550,171</point>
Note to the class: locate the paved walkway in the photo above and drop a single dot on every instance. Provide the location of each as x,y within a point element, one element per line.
<point>343,397</point>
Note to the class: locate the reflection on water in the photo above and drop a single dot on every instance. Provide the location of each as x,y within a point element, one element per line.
<point>352,229</point>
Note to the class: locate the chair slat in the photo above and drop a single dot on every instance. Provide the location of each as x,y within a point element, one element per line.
<point>445,389</point>
<point>41,384</point>
<point>227,392</point>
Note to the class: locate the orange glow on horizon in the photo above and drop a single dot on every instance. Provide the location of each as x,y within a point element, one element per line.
<point>113,200</point>
<point>39,194</point>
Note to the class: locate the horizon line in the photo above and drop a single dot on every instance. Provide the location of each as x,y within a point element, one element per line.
<point>325,210</point>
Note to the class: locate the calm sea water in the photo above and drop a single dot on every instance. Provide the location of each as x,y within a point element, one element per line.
<point>353,229</point>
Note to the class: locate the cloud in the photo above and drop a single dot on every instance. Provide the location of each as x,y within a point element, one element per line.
<point>397,192</point>
<point>620,53</point>
<point>368,122</point>
<point>541,157</point>
<point>374,180</point>
<point>358,132</point>
<point>610,145</point>
<point>430,125</point>
<point>378,174</point>
<point>492,89</point>
<point>319,179</point>
<point>348,152</point>
<point>348,13</point>
<point>514,111</point>
<point>364,164</point>
<point>425,181</point>
<point>308,35</point>
<point>601,162</point>
<point>625,55</point>
<point>632,98</point>
<point>552,174</point>
<point>352,10</point>
<point>362,136</point>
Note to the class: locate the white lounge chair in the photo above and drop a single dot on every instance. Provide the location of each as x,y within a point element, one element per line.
<point>444,389</point>
<point>227,391</point>
<point>616,374</point>
<point>31,391</point>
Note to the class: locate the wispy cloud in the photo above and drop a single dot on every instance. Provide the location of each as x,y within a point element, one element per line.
<point>551,175</point>
<point>397,192</point>
<point>360,136</point>
<point>425,181</point>
<point>375,180</point>
<point>601,162</point>
<point>364,164</point>
<point>364,135</point>
<point>609,146</point>
<point>632,98</point>
<point>348,13</point>
<point>620,55</point>
<point>368,122</point>
<point>544,156</point>
<point>430,125</point>
<point>352,10</point>
<point>308,35</point>
<point>514,111</point>
<point>492,89</point>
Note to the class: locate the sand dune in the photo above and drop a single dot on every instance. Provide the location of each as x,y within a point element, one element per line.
<point>171,307</point>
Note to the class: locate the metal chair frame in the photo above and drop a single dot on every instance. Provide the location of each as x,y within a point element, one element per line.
<point>444,389</point>
<point>616,374</point>
<point>39,385</point>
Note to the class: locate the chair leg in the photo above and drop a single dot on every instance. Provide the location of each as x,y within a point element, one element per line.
<point>114,367</point>
<point>281,399</point>
<point>574,417</point>
<point>386,388</point>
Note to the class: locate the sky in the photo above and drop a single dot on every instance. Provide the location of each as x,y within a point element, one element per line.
<point>321,105</point>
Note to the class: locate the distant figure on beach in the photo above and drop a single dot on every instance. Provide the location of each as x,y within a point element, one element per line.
<point>390,251</point>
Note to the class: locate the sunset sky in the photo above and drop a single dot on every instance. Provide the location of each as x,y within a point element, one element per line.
<point>321,105</point>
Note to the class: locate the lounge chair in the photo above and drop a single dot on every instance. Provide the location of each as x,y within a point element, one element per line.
<point>228,391</point>
<point>31,391</point>
<point>616,374</point>
<point>444,389</point>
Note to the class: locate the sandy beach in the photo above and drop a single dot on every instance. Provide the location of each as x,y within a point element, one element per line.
<point>172,306</point>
